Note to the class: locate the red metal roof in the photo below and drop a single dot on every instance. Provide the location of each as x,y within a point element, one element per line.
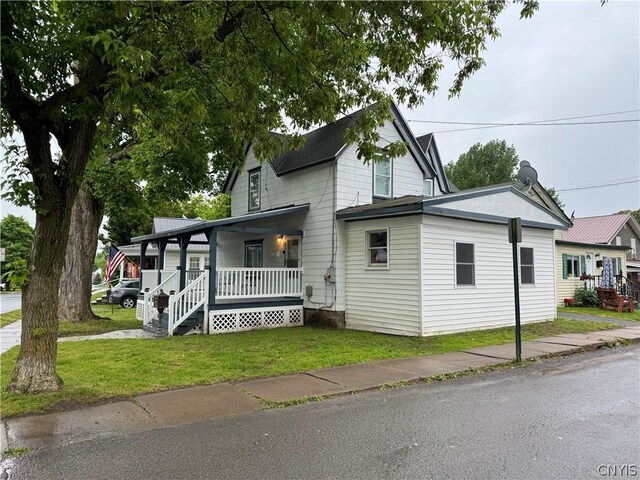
<point>595,229</point>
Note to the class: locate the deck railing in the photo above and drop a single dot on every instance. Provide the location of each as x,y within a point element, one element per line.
<point>239,283</point>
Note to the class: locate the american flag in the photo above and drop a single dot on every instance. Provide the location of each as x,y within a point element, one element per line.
<point>115,258</point>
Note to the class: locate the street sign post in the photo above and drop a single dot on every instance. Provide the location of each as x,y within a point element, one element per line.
<point>515,237</point>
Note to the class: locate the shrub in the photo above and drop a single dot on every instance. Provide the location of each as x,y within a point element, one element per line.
<point>586,297</point>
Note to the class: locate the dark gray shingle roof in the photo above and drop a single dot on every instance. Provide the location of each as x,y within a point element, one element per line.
<point>424,141</point>
<point>321,145</point>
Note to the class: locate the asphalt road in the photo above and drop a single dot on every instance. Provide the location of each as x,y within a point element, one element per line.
<point>565,418</point>
<point>10,301</point>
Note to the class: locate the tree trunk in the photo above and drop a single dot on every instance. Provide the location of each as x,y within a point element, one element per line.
<point>35,369</point>
<point>77,278</point>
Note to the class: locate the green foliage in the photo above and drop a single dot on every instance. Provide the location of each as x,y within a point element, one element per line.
<point>207,208</point>
<point>489,164</point>
<point>15,237</point>
<point>556,197</point>
<point>586,297</point>
<point>635,213</point>
<point>16,273</point>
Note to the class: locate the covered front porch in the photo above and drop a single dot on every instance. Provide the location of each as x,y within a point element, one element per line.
<point>234,274</point>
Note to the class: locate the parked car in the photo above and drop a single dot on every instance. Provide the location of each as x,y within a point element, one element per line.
<point>125,293</point>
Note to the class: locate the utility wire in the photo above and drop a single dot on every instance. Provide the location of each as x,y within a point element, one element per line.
<point>587,187</point>
<point>484,125</point>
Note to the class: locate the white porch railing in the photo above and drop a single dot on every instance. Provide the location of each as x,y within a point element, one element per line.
<point>171,282</point>
<point>185,303</point>
<point>150,278</point>
<point>241,283</point>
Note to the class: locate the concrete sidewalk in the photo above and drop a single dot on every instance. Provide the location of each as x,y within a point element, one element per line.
<point>196,404</point>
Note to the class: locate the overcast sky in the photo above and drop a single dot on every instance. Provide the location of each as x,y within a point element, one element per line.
<point>570,59</point>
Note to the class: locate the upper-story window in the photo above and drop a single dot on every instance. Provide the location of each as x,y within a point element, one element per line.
<point>254,189</point>
<point>427,187</point>
<point>382,178</point>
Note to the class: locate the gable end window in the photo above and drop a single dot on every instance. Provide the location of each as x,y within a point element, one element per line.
<point>254,189</point>
<point>527,272</point>
<point>377,248</point>
<point>427,187</point>
<point>382,181</point>
<point>465,264</point>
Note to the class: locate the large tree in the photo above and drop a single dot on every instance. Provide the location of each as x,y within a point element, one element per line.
<point>489,164</point>
<point>245,66</point>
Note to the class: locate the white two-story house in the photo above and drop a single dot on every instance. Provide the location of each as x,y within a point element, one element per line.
<point>316,236</point>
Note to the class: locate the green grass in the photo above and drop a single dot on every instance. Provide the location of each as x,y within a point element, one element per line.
<point>598,312</point>
<point>100,369</point>
<point>119,319</point>
<point>10,317</point>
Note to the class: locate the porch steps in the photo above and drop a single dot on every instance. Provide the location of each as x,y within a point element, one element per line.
<point>194,320</point>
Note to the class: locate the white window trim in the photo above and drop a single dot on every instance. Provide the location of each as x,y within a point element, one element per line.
<point>374,169</point>
<point>618,240</point>
<point>199,262</point>
<point>425,182</point>
<point>633,245</point>
<point>376,266</point>
<point>533,265</point>
<point>259,174</point>
<point>455,266</point>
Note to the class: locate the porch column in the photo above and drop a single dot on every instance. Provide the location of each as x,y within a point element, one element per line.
<point>183,242</point>
<point>162,245</point>
<point>213,255</point>
<point>143,258</point>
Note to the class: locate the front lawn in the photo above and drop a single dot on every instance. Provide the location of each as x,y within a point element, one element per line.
<point>115,318</point>
<point>99,369</point>
<point>10,317</point>
<point>598,312</point>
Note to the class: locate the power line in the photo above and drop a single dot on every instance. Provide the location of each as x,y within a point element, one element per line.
<point>547,122</point>
<point>587,187</point>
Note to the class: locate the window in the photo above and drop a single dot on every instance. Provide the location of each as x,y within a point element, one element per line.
<point>573,266</point>
<point>427,187</point>
<point>194,263</point>
<point>254,189</point>
<point>465,264</point>
<point>382,178</point>
<point>253,254</point>
<point>527,273</point>
<point>618,240</point>
<point>377,248</point>
<point>291,259</point>
<point>633,248</point>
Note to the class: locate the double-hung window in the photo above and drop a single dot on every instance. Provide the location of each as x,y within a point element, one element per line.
<point>465,264</point>
<point>527,272</point>
<point>382,181</point>
<point>573,266</point>
<point>254,189</point>
<point>377,248</point>
<point>427,187</point>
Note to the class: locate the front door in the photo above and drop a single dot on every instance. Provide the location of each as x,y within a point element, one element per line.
<point>589,264</point>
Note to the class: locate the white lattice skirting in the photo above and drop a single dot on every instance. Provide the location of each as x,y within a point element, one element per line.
<point>240,320</point>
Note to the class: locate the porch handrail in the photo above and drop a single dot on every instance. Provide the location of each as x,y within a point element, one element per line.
<point>246,282</point>
<point>185,303</point>
<point>147,311</point>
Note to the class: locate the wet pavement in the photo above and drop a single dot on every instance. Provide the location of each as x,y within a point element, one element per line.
<point>197,404</point>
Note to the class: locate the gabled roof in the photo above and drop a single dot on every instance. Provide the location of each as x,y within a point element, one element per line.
<point>321,145</point>
<point>326,143</point>
<point>450,206</point>
<point>424,141</point>
<point>600,229</point>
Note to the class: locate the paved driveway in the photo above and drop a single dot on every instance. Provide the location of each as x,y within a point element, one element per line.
<point>10,301</point>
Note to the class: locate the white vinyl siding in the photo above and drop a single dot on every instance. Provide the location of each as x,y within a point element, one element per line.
<point>447,308</point>
<point>313,186</point>
<point>384,300</point>
<point>354,179</point>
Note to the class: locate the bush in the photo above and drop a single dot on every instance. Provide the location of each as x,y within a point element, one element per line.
<point>586,297</point>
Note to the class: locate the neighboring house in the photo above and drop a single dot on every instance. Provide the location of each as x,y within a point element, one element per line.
<point>389,247</point>
<point>582,249</point>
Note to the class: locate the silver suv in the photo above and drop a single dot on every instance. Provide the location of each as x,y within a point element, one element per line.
<point>125,293</point>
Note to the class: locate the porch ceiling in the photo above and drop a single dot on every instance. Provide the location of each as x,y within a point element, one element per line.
<point>171,236</point>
